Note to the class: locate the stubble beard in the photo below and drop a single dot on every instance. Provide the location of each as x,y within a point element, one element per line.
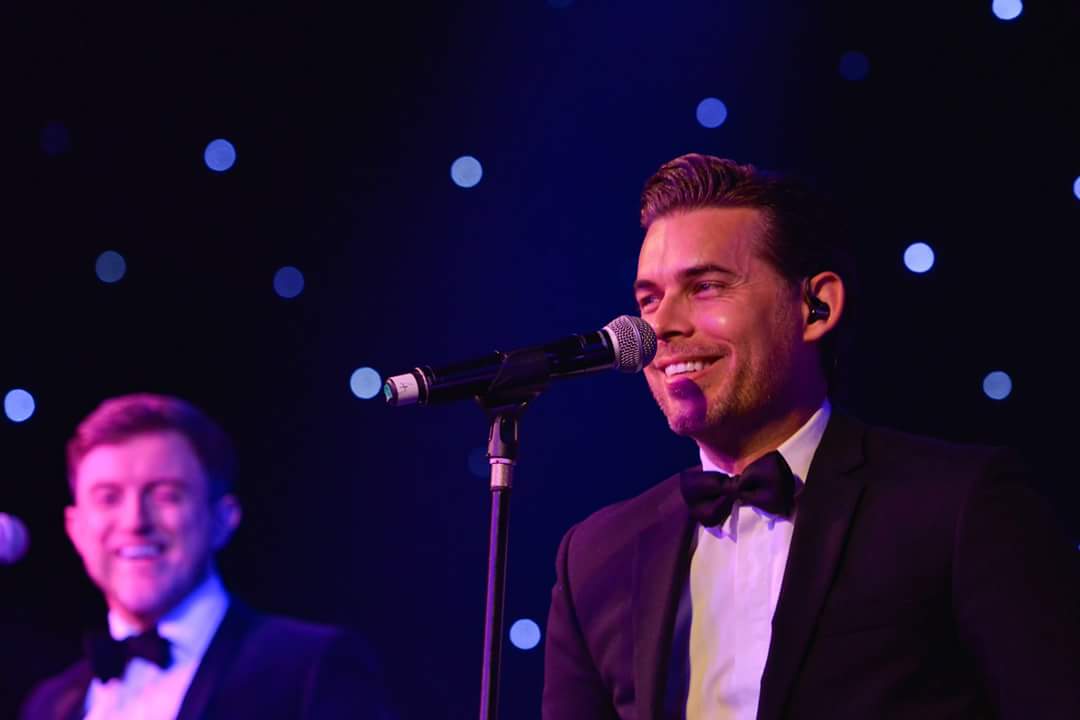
<point>728,407</point>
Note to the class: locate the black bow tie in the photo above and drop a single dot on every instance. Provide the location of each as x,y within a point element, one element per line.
<point>109,658</point>
<point>766,483</point>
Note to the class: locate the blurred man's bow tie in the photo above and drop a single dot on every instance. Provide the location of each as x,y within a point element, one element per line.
<point>109,658</point>
<point>766,483</point>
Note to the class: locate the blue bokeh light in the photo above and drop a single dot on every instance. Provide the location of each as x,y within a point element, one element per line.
<point>220,155</point>
<point>466,171</point>
<point>525,634</point>
<point>997,385</point>
<point>288,282</point>
<point>1076,187</point>
<point>18,405</point>
<point>55,139</point>
<point>711,112</point>
<point>110,266</point>
<point>365,383</point>
<point>854,65</point>
<point>919,257</point>
<point>1007,9</point>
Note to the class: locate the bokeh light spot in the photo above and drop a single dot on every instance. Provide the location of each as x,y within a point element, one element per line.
<point>1076,187</point>
<point>919,257</point>
<point>711,112</point>
<point>997,385</point>
<point>288,282</point>
<point>525,634</point>
<point>365,383</point>
<point>110,266</point>
<point>466,171</point>
<point>1007,9</point>
<point>220,155</point>
<point>55,139</point>
<point>18,405</point>
<point>854,65</point>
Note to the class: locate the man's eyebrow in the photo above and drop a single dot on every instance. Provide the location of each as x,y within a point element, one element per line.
<point>694,271</point>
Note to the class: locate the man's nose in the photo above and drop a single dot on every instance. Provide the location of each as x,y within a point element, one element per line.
<point>137,513</point>
<point>671,318</point>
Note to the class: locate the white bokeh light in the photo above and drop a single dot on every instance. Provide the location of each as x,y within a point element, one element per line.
<point>365,383</point>
<point>466,171</point>
<point>19,405</point>
<point>919,257</point>
<point>997,385</point>
<point>220,155</point>
<point>711,112</point>
<point>1007,9</point>
<point>525,634</point>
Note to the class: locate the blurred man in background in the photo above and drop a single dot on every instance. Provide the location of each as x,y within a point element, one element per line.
<point>151,479</point>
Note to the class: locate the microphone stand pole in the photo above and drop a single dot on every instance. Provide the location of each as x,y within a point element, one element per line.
<point>524,376</point>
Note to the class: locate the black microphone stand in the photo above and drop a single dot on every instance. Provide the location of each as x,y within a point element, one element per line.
<point>524,375</point>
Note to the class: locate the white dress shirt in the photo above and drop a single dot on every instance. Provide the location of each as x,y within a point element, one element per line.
<point>735,577</point>
<point>146,691</point>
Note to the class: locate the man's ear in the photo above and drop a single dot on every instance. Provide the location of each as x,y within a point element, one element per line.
<point>226,518</point>
<point>828,288</point>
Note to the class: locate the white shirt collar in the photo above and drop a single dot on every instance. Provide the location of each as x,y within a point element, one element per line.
<point>190,625</point>
<point>798,450</point>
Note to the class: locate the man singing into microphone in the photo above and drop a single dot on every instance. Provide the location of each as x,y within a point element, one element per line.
<point>812,566</point>
<point>152,485</point>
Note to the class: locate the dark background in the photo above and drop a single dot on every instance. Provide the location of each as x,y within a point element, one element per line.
<point>963,135</point>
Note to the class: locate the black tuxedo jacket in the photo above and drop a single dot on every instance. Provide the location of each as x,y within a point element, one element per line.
<point>256,666</point>
<point>925,580</point>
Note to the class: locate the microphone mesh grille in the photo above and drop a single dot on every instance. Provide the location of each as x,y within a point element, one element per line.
<point>635,343</point>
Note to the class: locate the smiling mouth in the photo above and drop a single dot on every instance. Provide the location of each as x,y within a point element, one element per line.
<point>145,551</point>
<point>687,368</point>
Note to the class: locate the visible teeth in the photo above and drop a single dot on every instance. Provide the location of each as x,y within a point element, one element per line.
<point>679,368</point>
<point>131,552</point>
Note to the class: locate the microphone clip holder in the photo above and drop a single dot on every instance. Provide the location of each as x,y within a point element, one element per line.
<point>522,378</point>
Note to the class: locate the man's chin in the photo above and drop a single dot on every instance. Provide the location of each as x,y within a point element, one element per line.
<point>687,427</point>
<point>142,606</point>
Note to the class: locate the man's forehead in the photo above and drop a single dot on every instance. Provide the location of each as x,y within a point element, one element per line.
<point>702,236</point>
<point>146,456</point>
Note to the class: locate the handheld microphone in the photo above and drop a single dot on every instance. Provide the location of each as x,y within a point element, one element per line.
<point>626,344</point>
<point>14,539</point>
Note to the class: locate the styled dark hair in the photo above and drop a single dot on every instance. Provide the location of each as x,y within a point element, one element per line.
<point>120,418</point>
<point>804,235</point>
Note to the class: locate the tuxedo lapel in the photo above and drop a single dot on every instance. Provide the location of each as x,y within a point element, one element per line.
<point>215,663</point>
<point>71,703</point>
<point>661,562</point>
<point>825,510</point>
